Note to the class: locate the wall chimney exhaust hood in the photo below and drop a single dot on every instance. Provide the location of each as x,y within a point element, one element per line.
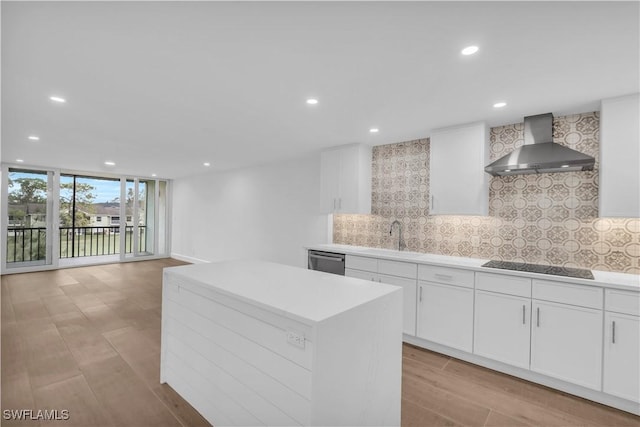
<point>540,154</point>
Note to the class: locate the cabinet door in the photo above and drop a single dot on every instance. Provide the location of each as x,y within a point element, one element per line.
<point>622,356</point>
<point>329,180</point>
<point>409,296</point>
<point>502,328</point>
<point>459,185</point>
<point>345,180</point>
<point>619,193</point>
<point>566,343</point>
<point>354,192</point>
<point>445,315</point>
<point>359,274</point>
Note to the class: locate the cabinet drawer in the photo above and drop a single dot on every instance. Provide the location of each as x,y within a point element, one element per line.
<point>397,268</point>
<point>622,301</point>
<point>510,285</point>
<point>359,274</point>
<point>361,263</point>
<point>452,276</point>
<point>568,293</point>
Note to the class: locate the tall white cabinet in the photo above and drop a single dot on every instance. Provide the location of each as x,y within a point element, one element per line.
<point>458,183</point>
<point>345,180</point>
<point>619,153</point>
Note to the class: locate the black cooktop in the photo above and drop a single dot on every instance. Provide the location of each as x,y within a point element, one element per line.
<point>542,269</point>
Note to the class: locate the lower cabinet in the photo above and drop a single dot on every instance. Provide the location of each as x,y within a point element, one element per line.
<point>503,328</point>
<point>407,283</point>
<point>409,296</point>
<point>622,356</point>
<point>566,343</point>
<point>583,335</point>
<point>445,314</point>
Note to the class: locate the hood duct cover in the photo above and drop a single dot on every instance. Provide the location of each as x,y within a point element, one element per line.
<point>540,154</point>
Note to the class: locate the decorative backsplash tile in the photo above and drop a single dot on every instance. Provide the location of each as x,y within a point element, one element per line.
<point>542,219</point>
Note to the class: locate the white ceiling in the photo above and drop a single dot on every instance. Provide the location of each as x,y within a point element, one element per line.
<point>161,87</point>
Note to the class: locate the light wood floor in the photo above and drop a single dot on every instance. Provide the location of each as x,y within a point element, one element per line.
<point>88,340</point>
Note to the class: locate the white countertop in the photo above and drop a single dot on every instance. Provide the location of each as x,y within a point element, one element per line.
<point>601,278</point>
<point>304,295</point>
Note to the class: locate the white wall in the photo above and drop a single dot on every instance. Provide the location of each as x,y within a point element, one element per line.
<point>267,212</point>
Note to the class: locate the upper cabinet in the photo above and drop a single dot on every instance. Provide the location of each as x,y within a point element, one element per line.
<point>459,185</point>
<point>619,154</point>
<point>345,180</point>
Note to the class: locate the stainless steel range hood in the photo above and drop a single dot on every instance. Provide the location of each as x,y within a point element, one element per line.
<point>540,154</point>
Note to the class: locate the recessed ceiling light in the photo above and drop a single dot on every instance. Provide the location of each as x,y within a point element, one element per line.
<point>507,170</point>
<point>469,50</point>
<point>34,138</point>
<point>58,99</point>
<point>312,101</point>
<point>154,175</point>
<point>374,130</point>
<point>564,166</point>
<point>499,104</point>
<point>109,163</point>
<point>19,161</point>
<point>207,164</point>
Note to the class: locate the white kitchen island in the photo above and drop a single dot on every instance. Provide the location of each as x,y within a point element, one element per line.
<point>258,343</point>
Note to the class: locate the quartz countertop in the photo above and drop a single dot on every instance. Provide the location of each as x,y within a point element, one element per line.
<point>304,295</point>
<point>601,278</point>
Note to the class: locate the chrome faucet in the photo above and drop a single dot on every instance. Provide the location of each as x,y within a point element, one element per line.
<point>399,232</point>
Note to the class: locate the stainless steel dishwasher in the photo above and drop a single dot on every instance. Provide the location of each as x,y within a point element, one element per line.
<point>328,262</point>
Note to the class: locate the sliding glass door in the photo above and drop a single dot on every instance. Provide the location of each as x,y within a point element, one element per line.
<point>89,216</point>
<point>53,219</point>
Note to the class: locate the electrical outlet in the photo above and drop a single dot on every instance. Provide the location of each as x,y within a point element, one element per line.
<point>295,338</point>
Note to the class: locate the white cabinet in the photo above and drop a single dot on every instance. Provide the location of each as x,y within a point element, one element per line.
<point>622,345</point>
<point>542,330</point>
<point>402,274</point>
<point>445,307</point>
<point>445,315</point>
<point>502,319</point>
<point>458,183</point>
<point>622,356</point>
<point>345,180</point>
<point>409,300</point>
<point>619,153</point>
<point>566,332</point>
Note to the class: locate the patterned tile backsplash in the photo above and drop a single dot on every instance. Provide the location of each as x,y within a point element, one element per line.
<point>543,219</point>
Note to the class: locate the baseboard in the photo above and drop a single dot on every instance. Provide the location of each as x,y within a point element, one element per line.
<point>525,374</point>
<point>189,259</point>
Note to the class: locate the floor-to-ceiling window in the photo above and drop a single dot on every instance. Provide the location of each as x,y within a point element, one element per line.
<point>143,199</point>
<point>89,216</point>
<point>60,219</point>
<point>28,217</point>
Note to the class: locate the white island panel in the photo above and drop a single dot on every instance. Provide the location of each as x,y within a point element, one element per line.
<point>282,345</point>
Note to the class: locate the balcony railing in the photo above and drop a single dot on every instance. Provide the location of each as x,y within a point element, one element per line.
<point>29,244</point>
<point>26,244</point>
